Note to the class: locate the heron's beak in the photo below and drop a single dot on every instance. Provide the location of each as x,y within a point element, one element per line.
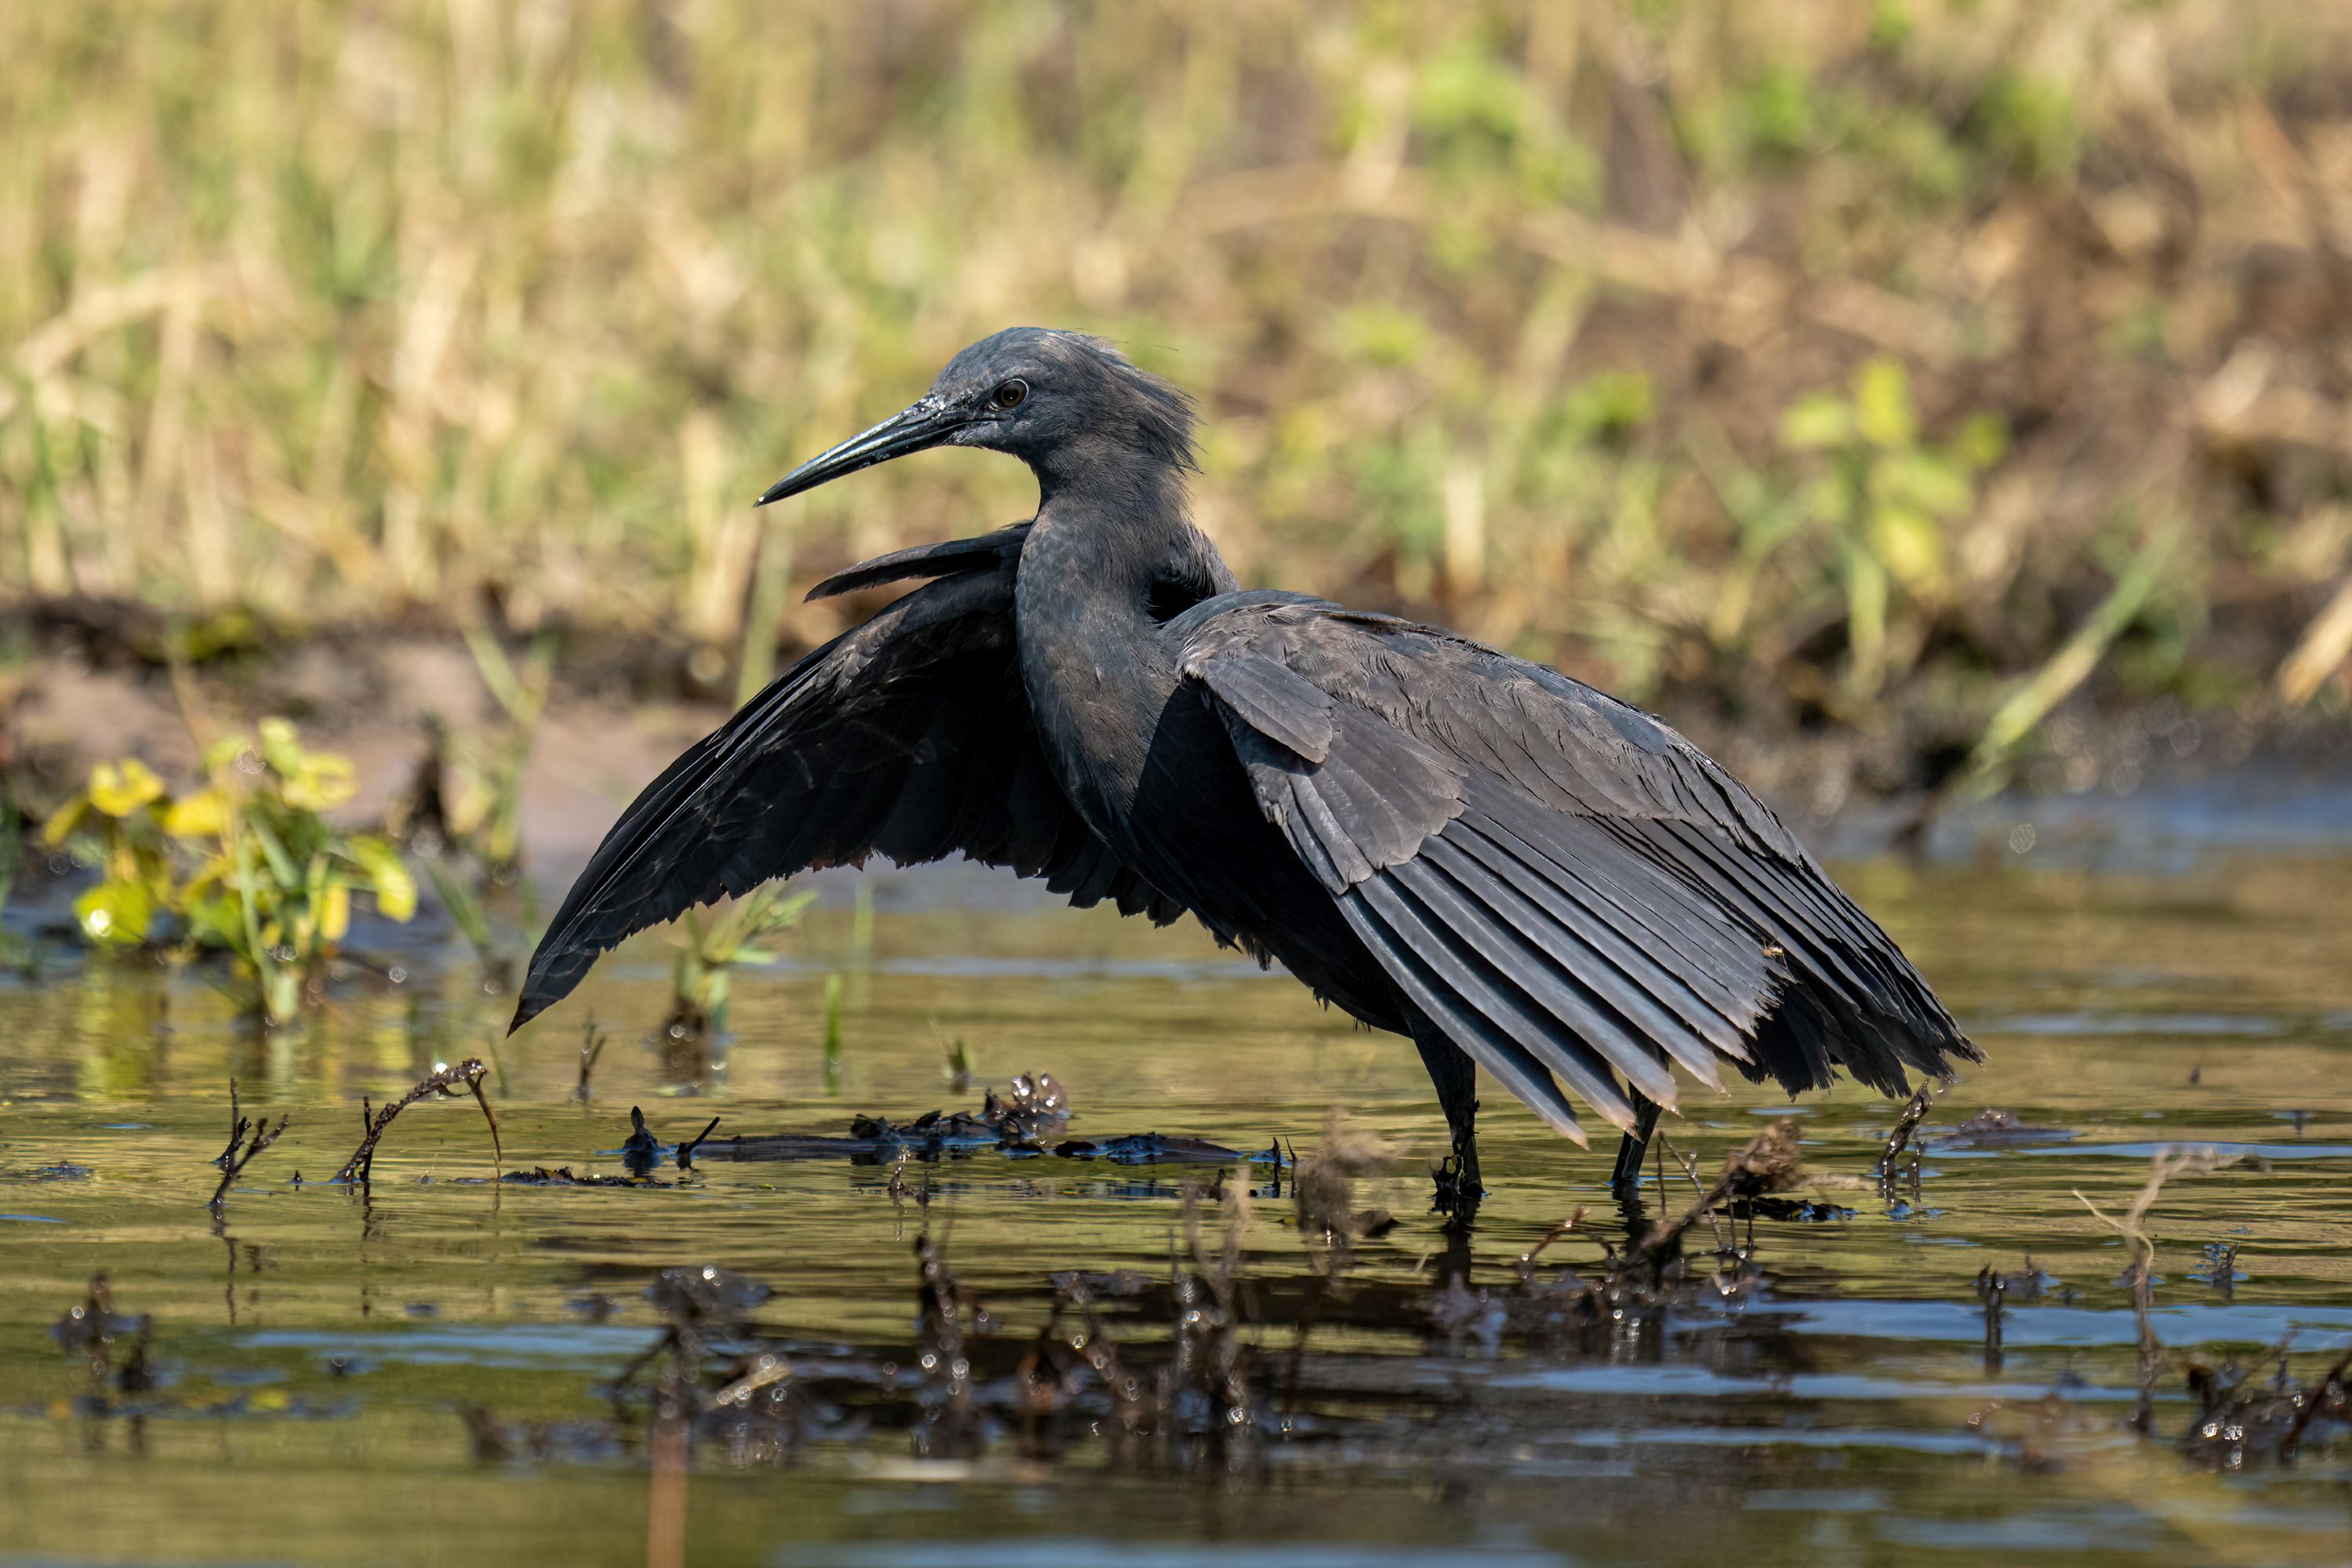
<point>927,424</point>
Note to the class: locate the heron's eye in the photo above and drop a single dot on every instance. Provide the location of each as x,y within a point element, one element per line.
<point>1010,394</point>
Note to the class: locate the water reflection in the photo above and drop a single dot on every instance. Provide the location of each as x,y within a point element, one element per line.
<point>1861,1373</point>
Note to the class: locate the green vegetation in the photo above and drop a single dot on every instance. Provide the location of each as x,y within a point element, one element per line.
<point>248,866</point>
<point>1884,502</point>
<point>463,813</point>
<point>485,809</point>
<point>716,946</point>
<point>1839,358</point>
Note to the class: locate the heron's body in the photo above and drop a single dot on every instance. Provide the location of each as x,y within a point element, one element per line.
<point>1518,872</point>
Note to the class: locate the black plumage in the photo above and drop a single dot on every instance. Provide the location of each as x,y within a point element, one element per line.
<point>1515,869</point>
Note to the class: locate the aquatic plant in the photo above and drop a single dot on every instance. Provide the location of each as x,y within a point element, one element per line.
<point>831,1056</point>
<point>462,812</point>
<point>593,1041</point>
<point>247,865</point>
<point>715,948</point>
<point>275,889</point>
<point>119,824</point>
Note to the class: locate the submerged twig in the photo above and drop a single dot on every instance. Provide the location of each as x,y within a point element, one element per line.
<point>1706,1200</point>
<point>2329,1391</point>
<point>442,1080</point>
<point>232,1165</point>
<point>2138,1273</point>
<point>1915,1111</point>
<point>1573,1226</point>
<point>686,1151</point>
<point>238,1128</point>
<point>592,1046</point>
<point>1992,1288</point>
<point>1767,1163</point>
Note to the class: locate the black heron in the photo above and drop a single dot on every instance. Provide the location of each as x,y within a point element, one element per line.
<point>1516,870</point>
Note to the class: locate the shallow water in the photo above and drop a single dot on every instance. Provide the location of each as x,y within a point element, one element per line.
<point>318,1349</point>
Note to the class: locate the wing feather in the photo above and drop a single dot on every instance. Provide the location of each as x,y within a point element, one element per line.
<point>908,737</point>
<point>1566,887</point>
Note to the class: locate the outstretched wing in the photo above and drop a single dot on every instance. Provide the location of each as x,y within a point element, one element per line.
<point>908,737</point>
<point>1568,888</point>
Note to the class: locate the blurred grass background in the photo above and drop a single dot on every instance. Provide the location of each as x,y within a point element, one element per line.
<point>1901,367</point>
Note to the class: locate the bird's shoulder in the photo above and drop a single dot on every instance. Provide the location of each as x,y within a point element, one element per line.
<point>1281,661</point>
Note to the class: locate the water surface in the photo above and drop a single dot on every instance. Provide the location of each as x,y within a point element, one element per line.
<point>329,1361</point>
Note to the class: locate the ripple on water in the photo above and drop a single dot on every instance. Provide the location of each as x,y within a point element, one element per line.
<point>1846,1403</point>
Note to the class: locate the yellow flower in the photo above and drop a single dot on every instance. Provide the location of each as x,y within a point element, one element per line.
<point>204,814</point>
<point>121,788</point>
<point>320,782</point>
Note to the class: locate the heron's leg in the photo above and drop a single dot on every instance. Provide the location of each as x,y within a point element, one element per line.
<point>1627,1176</point>
<point>1457,1078</point>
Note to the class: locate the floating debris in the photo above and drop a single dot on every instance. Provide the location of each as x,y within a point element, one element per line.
<point>1997,1129</point>
<point>2236,1427</point>
<point>1766,1164</point>
<point>1015,1124</point>
<point>1151,1149</point>
<point>562,1176</point>
<point>686,1151</point>
<point>1033,1106</point>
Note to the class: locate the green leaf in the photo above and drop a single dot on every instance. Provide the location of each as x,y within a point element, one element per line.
<point>116,914</point>
<point>322,783</point>
<point>1882,406</point>
<point>281,747</point>
<point>1817,420</point>
<point>282,865</point>
<point>215,921</point>
<point>1927,482</point>
<point>204,814</point>
<point>1909,544</point>
<point>63,820</point>
<point>225,753</point>
<point>1982,440</point>
<point>335,911</point>
<point>387,874</point>
<point>1611,403</point>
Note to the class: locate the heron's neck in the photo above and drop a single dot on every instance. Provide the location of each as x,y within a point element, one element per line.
<point>1101,542</point>
<point>1095,662</point>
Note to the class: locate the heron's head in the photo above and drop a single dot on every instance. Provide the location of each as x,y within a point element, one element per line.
<point>1063,403</point>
